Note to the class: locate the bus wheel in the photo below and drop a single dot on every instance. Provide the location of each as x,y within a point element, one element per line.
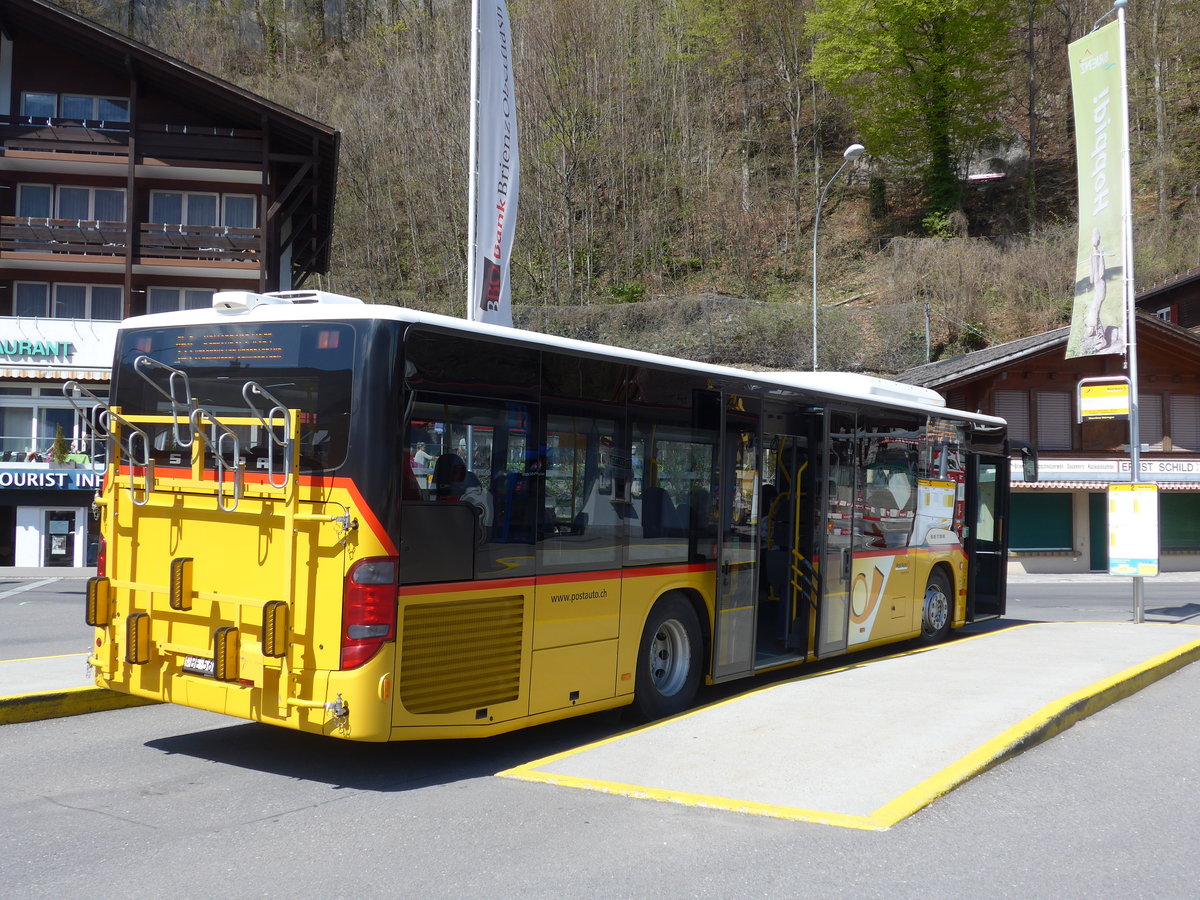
<point>669,659</point>
<point>936,608</point>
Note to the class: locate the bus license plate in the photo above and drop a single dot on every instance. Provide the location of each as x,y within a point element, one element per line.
<point>198,665</point>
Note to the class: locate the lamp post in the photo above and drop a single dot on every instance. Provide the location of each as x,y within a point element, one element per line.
<point>849,155</point>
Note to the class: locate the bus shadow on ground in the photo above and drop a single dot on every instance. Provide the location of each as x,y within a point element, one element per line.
<point>412,765</point>
<point>384,768</point>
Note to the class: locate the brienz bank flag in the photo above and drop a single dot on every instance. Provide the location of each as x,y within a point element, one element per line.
<point>1098,318</point>
<point>496,171</point>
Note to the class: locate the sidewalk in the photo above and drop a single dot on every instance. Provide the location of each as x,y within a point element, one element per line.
<point>50,687</point>
<point>868,745</point>
<point>21,573</point>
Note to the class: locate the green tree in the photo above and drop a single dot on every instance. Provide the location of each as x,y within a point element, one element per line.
<point>925,79</point>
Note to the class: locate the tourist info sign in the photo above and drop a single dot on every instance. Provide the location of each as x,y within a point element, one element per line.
<point>1133,529</point>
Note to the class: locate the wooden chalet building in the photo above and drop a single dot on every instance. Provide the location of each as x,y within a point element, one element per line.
<point>1175,300</point>
<point>1059,524</point>
<point>129,183</point>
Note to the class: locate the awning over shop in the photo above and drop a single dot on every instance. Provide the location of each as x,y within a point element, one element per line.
<point>1097,485</point>
<point>42,373</point>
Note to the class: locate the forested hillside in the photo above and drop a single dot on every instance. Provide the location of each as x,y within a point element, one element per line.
<point>675,149</point>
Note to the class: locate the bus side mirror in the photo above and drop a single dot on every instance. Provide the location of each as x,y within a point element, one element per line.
<point>1029,463</point>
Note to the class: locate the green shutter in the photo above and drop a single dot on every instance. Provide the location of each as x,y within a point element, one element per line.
<point>1040,521</point>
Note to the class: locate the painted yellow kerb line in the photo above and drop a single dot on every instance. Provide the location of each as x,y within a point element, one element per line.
<point>1034,729</point>
<point>1041,726</point>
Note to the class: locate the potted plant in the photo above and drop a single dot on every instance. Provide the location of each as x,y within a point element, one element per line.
<point>60,450</point>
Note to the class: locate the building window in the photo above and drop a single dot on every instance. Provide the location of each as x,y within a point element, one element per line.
<point>84,107</point>
<point>1013,407</point>
<point>91,204</point>
<point>1053,420</point>
<point>34,200</point>
<point>32,299</point>
<point>174,208</point>
<point>178,208</point>
<point>175,299</point>
<point>79,107</point>
<point>39,105</point>
<point>29,422</point>
<point>1185,421</point>
<point>240,210</point>
<point>1164,314</point>
<point>84,301</point>
<point>71,301</point>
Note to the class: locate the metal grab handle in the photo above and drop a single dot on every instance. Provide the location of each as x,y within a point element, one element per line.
<point>277,410</point>
<point>225,435</point>
<point>177,381</point>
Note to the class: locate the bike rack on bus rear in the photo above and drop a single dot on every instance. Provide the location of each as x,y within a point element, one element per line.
<point>92,421</point>
<point>284,443</point>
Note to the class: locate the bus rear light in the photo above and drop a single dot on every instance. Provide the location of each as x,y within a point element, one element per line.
<point>98,611</point>
<point>180,596</point>
<point>369,604</point>
<point>225,653</point>
<point>275,629</point>
<point>137,639</point>
<point>102,558</point>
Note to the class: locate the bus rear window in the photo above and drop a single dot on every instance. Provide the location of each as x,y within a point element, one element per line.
<point>305,366</point>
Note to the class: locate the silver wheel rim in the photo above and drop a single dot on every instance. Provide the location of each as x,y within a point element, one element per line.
<point>937,609</point>
<point>670,657</point>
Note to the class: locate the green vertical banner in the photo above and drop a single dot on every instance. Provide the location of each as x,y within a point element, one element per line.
<point>1098,320</point>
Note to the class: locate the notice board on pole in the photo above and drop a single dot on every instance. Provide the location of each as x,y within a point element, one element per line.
<point>1133,538</point>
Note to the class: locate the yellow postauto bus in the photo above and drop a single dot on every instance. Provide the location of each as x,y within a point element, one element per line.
<point>380,524</point>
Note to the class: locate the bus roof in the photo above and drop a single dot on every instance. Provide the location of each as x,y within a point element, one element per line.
<point>297,306</point>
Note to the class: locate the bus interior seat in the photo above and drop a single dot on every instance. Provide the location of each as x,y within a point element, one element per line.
<point>659,517</point>
<point>449,477</point>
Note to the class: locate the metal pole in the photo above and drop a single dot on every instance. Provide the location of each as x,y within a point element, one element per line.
<point>851,153</point>
<point>472,160</point>
<point>1135,438</point>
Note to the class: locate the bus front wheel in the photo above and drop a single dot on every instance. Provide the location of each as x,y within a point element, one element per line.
<point>936,608</point>
<point>669,659</point>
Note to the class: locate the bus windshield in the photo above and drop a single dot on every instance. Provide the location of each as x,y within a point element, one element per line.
<point>305,366</point>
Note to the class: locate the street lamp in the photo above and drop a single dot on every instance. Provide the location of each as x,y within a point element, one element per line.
<point>849,155</point>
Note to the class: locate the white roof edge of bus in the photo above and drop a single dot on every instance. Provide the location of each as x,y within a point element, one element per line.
<point>847,385</point>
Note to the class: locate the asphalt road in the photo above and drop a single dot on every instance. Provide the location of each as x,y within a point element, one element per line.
<point>169,801</point>
<point>42,616</point>
<point>166,801</point>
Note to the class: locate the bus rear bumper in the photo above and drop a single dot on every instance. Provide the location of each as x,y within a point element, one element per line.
<point>353,705</point>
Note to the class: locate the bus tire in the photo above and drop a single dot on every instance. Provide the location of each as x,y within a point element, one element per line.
<point>669,659</point>
<point>937,608</point>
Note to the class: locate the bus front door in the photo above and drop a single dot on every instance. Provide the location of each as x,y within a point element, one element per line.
<point>987,542</point>
<point>737,557</point>
<point>841,493</point>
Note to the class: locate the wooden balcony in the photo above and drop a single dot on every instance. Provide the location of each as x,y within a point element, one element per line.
<point>23,235</point>
<point>153,141</point>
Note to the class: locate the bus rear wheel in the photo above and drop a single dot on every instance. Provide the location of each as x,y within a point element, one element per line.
<point>936,608</point>
<point>669,659</point>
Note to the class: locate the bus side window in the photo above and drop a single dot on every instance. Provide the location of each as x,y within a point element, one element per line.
<point>437,542</point>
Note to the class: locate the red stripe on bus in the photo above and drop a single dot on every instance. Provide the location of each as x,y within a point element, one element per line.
<point>324,482</point>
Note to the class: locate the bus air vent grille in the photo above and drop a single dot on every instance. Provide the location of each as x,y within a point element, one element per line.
<point>462,655</point>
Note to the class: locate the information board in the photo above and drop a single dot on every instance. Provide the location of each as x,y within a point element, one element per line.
<point>1133,529</point>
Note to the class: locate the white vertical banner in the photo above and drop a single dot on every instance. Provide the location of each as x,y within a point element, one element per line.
<point>495,174</point>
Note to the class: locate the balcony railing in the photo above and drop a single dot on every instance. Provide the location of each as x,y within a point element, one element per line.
<point>190,142</point>
<point>21,234</point>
